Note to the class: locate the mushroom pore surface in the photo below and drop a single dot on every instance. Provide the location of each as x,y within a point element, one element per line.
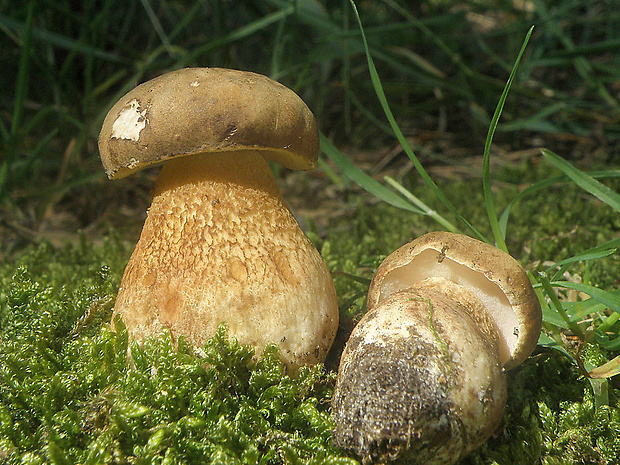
<point>220,245</point>
<point>430,264</point>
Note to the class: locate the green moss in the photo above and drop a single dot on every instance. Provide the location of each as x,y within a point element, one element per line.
<point>70,393</point>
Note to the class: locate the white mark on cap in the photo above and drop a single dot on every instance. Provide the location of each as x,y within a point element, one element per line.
<point>195,84</point>
<point>130,122</point>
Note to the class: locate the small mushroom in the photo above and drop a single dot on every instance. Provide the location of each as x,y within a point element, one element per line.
<point>219,243</point>
<point>422,377</point>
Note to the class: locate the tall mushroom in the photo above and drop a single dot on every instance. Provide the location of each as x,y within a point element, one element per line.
<point>421,379</point>
<point>219,243</point>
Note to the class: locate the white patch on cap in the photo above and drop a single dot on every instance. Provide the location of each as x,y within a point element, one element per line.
<point>130,122</point>
<point>195,84</point>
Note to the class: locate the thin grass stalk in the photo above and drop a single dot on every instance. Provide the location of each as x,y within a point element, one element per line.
<point>21,90</point>
<point>360,177</point>
<point>238,34</point>
<point>500,240</point>
<point>545,183</point>
<point>609,299</point>
<point>420,204</point>
<point>587,183</point>
<point>146,4</point>
<point>557,305</point>
<point>594,253</point>
<point>277,48</point>
<point>455,57</point>
<point>378,87</point>
<point>581,64</point>
<point>23,72</point>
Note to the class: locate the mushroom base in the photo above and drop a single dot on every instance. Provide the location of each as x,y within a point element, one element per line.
<point>220,245</point>
<point>417,383</point>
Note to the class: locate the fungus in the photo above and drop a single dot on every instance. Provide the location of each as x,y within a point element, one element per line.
<point>422,377</point>
<point>219,243</point>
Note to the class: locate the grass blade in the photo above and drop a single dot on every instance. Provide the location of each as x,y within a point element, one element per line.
<point>595,253</point>
<point>420,204</point>
<point>500,239</point>
<point>606,298</point>
<point>23,73</point>
<point>63,42</point>
<point>587,183</point>
<point>583,66</point>
<point>360,177</point>
<point>238,34</point>
<point>378,88</point>
<point>607,370</point>
<point>557,305</point>
<point>532,188</point>
<point>158,27</point>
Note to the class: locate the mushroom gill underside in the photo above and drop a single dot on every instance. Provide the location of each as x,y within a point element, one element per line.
<point>430,264</point>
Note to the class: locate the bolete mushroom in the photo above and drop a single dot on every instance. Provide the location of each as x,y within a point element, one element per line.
<point>219,244</point>
<point>422,377</point>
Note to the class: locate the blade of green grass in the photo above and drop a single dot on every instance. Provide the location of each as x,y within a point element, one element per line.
<point>587,183</point>
<point>595,253</point>
<point>311,13</point>
<point>420,204</point>
<point>557,305</point>
<point>21,89</point>
<point>187,19</point>
<point>238,34</point>
<point>63,42</point>
<point>545,183</point>
<point>331,174</point>
<point>538,121</point>
<point>609,299</point>
<point>360,177</point>
<point>23,73</point>
<point>588,255</point>
<point>547,341</point>
<point>378,88</point>
<point>611,45</point>
<point>146,4</point>
<point>441,44</point>
<point>580,309</point>
<point>500,240</point>
<point>582,65</point>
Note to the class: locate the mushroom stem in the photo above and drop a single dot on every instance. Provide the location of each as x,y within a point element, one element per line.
<point>419,382</point>
<point>219,240</point>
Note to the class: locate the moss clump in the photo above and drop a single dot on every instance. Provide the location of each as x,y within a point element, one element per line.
<point>72,392</point>
<point>551,419</point>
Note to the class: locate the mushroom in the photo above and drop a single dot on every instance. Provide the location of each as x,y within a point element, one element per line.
<point>422,377</point>
<point>219,244</point>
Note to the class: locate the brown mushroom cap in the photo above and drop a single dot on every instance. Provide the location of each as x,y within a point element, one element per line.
<point>202,110</point>
<point>490,274</point>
